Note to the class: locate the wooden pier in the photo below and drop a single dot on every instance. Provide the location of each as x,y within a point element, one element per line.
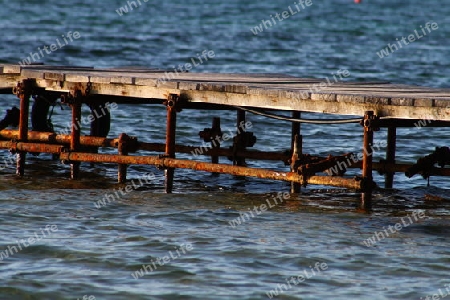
<point>375,105</point>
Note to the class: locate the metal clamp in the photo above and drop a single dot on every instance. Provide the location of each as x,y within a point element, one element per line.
<point>173,102</point>
<point>370,122</point>
<point>127,143</point>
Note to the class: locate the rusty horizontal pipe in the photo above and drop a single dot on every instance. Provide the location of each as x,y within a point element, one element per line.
<point>48,137</point>
<point>31,147</point>
<point>336,181</point>
<point>182,164</point>
<point>210,167</point>
<point>63,139</point>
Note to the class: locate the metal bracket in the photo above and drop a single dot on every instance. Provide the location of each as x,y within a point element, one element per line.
<point>13,150</point>
<point>210,134</point>
<point>366,185</point>
<point>173,101</point>
<point>425,165</point>
<point>159,166</point>
<point>76,93</point>
<point>371,123</point>
<point>24,87</point>
<point>66,150</point>
<point>127,143</point>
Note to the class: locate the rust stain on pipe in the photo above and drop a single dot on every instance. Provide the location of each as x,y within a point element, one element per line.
<point>214,168</point>
<point>48,137</point>
<point>31,147</point>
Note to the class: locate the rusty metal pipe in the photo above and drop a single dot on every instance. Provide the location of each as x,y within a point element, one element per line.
<point>75,137</point>
<point>48,137</point>
<point>51,148</point>
<point>170,139</point>
<point>59,149</point>
<point>24,94</point>
<point>366,196</point>
<point>214,168</point>
<point>296,147</point>
<point>31,147</point>
<point>296,154</point>
<point>123,150</point>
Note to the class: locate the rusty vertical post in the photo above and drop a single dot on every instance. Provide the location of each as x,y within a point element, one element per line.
<point>171,104</point>
<point>295,128</point>
<point>213,135</point>
<point>24,92</point>
<point>366,196</point>
<point>390,156</point>
<point>238,143</point>
<point>215,138</point>
<point>75,135</point>
<point>123,150</point>
<point>296,149</point>
<point>296,155</point>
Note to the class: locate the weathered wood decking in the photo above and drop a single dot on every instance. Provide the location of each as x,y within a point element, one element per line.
<point>268,91</point>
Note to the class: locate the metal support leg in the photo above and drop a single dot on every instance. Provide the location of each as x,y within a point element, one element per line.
<point>123,150</point>
<point>75,137</point>
<point>296,149</point>
<point>215,138</point>
<point>390,156</point>
<point>366,196</point>
<point>296,154</point>
<point>240,125</point>
<point>24,92</point>
<point>170,138</point>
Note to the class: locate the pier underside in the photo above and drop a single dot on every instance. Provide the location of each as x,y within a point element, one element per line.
<point>375,105</point>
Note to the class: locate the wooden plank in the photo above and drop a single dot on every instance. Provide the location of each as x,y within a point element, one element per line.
<point>239,89</point>
<point>402,101</point>
<point>442,103</point>
<point>16,69</point>
<point>377,100</point>
<point>156,82</point>
<point>350,98</point>
<point>100,79</point>
<point>122,80</point>
<point>145,81</point>
<point>133,70</point>
<point>318,106</point>
<point>167,85</point>
<point>8,81</point>
<point>54,76</point>
<point>32,73</point>
<point>424,102</point>
<point>324,97</point>
<point>264,99</point>
<point>11,69</point>
<point>188,85</point>
<point>74,77</point>
<point>271,91</point>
